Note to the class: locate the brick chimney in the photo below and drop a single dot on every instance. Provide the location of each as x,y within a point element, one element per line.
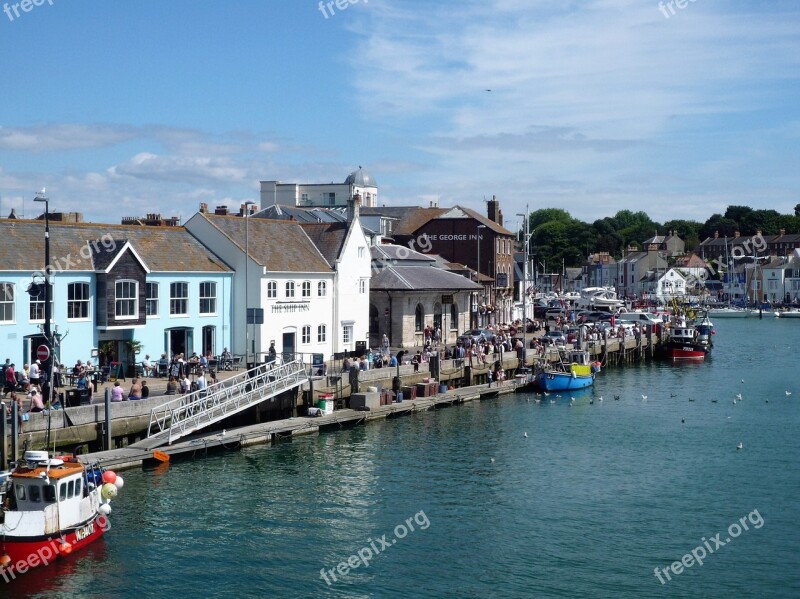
<point>493,210</point>
<point>736,233</point>
<point>716,234</point>
<point>203,208</point>
<point>221,210</point>
<point>353,207</point>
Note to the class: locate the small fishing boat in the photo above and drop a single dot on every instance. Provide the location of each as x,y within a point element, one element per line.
<point>575,370</point>
<point>51,507</point>
<point>689,341</point>
<point>790,313</point>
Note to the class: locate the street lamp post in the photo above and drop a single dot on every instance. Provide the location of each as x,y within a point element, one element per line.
<point>524,277</point>
<point>478,272</point>
<point>47,367</point>
<point>247,318</point>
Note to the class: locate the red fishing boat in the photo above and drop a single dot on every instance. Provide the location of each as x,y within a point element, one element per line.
<point>50,508</point>
<point>688,341</point>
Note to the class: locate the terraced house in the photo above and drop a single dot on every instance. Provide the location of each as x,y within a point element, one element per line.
<point>113,285</point>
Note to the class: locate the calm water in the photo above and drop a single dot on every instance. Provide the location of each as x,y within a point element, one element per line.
<point>595,498</point>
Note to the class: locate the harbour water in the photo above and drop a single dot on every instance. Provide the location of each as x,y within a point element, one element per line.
<point>588,504</point>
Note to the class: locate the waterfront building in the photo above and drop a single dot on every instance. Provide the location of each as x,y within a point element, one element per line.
<point>600,270</point>
<point>410,291</point>
<point>633,268</point>
<point>670,244</point>
<point>326,195</point>
<point>310,279</point>
<point>112,285</point>
<point>463,236</point>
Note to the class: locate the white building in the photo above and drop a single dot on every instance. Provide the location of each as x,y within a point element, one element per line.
<point>310,280</point>
<point>326,195</point>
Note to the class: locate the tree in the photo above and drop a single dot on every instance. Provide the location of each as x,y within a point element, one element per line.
<point>718,224</point>
<point>546,215</point>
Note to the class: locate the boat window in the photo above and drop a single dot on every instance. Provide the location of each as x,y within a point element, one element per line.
<point>70,489</point>
<point>20,490</point>
<point>35,494</point>
<point>78,487</point>
<point>62,490</point>
<point>49,493</point>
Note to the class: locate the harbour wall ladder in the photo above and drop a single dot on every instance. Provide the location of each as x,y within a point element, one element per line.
<point>197,410</point>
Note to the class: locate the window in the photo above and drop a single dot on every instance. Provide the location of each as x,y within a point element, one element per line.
<point>208,298</point>
<point>70,489</point>
<point>362,286</point>
<point>304,199</point>
<point>331,199</point>
<point>322,289</point>
<point>151,303</point>
<point>321,333</point>
<point>37,307</point>
<point>361,251</point>
<point>272,289</point>
<point>454,316</point>
<point>78,487</point>
<point>306,335</point>
<point>62,492</point>
<point>34,493</point>
<point>77,301</point>
<point>306,289</point>
<point>289,288</point>
<point>347,333</point>
<point>20,490</point>
<point>49,492</point>
<point>6,302</point>
<point>419,317</point>
<point>127,295</point>
<point>178,298</point>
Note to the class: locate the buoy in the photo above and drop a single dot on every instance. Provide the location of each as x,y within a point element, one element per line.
<point>5,560</point>
<point>119,483</point>
<point>160,455</point>
<point>108,491</point>
<point>104,509</point>
<point>109,476</point>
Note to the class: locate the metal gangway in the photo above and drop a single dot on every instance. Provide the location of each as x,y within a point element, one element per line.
<point>197,410</point>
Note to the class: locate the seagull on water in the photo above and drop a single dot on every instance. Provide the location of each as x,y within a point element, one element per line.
<point>644,397</point>
<point>616,398</point>
<point>788,393</point>
<point>525,434</point>
<point>601,398</point>
<point>492,460</point>
<point>713,401</point>
<point>740,446</point>
<point>739,396</point>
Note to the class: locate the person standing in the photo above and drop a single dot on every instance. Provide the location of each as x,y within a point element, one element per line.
<point>385,344</point>
<point>35,375</point>
<point>10,380</point>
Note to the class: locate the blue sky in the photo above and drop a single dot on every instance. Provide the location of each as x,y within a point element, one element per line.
<point>126,108</point>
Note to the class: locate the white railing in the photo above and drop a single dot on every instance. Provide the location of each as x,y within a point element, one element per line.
<point>188,413</point>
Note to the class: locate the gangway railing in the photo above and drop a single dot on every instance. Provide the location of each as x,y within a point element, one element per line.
<point>194,411</point>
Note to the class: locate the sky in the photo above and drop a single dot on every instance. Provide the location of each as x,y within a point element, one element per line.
<point>676,108</point>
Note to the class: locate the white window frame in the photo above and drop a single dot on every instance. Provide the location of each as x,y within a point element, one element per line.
<point>134,301</point>
<point>305,334</point>
<point>85,303</point>
<point>7,301</point>
<point>175,300</point>
<point>289,287</point>
<point>322,289</point>
<point>305,289</point>
<point>272,289</point>
<point>152,300</point>
<point>362,286</point>
<point>210,298</point>
<point>347,333</point>
<point>321,333</point>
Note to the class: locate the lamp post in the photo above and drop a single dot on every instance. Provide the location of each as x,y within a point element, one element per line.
<point>47,367</point>
<point>524,275</point>
<point>247,318</point>
<point>478,272</point>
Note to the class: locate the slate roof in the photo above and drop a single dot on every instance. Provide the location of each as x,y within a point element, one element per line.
<point>412,218</point>
<point>385,252</point>
<point>416,278</point>
<point>163,249</point>
<point>328,237</point>
<point>277,245</point>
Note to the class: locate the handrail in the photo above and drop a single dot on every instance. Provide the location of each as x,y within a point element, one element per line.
<point>185,414</point>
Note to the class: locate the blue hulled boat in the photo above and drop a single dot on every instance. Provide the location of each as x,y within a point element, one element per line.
<point>575,371</point>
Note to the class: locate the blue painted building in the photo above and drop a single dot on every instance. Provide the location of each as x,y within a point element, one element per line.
<point>112,284</point>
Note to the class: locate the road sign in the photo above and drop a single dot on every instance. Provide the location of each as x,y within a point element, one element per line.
<point>43,352</point>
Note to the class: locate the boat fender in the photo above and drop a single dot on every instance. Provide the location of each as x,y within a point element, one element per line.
<point>574,375</point>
